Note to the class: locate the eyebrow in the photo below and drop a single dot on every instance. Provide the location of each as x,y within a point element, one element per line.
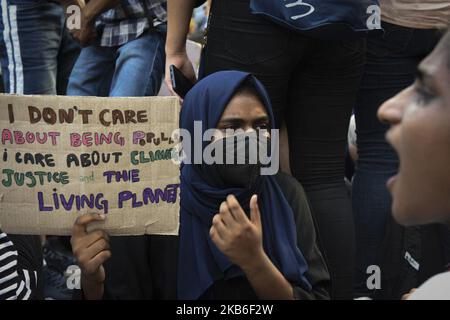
<point>424,76</point>
<point>240,120</point>
<point>231,120</point>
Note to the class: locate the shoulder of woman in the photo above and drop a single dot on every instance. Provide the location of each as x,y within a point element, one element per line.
<point>289,186</point>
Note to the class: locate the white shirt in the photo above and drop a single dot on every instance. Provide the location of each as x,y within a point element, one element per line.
<point>435,288</point>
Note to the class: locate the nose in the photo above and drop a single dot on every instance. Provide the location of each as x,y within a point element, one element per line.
<point>391,112</point>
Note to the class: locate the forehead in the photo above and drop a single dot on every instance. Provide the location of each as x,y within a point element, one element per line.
<point>244,106</point>
<point>443,50</point>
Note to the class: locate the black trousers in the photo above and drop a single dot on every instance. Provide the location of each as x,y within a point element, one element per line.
<point>313,85</point>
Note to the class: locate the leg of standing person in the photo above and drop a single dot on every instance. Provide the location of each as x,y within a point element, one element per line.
<point>140,66</point>
<point>29,44</point>
<point>68,53</point>
<point>31,36</point>
<point>239,40</point>
<point>322,94</point>
<point>392,61</point>
<point>262,51</point>
<point>92,72</point>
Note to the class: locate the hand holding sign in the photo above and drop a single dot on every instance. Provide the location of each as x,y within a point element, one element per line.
<point>91,249</point>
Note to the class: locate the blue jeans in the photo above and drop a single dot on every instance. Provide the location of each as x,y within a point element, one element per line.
<point>133,69</point>
<point>37,51</point>
<point>392,61</point>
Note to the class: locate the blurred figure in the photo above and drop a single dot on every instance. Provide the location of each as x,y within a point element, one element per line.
<point>199,23</point>
<point>411,31</point>
<point>419,117</point>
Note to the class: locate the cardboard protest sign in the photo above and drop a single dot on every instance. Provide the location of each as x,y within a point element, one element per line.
<point>64,156</point>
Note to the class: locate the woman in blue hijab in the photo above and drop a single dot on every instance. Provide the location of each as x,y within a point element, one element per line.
<point>243,235</point>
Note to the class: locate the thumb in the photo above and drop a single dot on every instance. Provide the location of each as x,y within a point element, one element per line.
<point>254,211</point>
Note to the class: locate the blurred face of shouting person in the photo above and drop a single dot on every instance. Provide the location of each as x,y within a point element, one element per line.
<point>420,133</point>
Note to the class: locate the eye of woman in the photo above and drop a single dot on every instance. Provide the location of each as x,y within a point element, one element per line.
<point>425,93</point>
<point>230,125</point>
<point>261,126</point>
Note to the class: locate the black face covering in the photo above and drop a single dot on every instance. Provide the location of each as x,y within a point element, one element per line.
<point>239,165</point>
<point>239,175</point>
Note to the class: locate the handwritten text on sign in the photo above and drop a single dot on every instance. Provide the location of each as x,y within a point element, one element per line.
<point>63,156</point>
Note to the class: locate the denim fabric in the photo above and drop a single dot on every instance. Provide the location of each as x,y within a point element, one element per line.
<point>37,51</point>
<point>133,69</point>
